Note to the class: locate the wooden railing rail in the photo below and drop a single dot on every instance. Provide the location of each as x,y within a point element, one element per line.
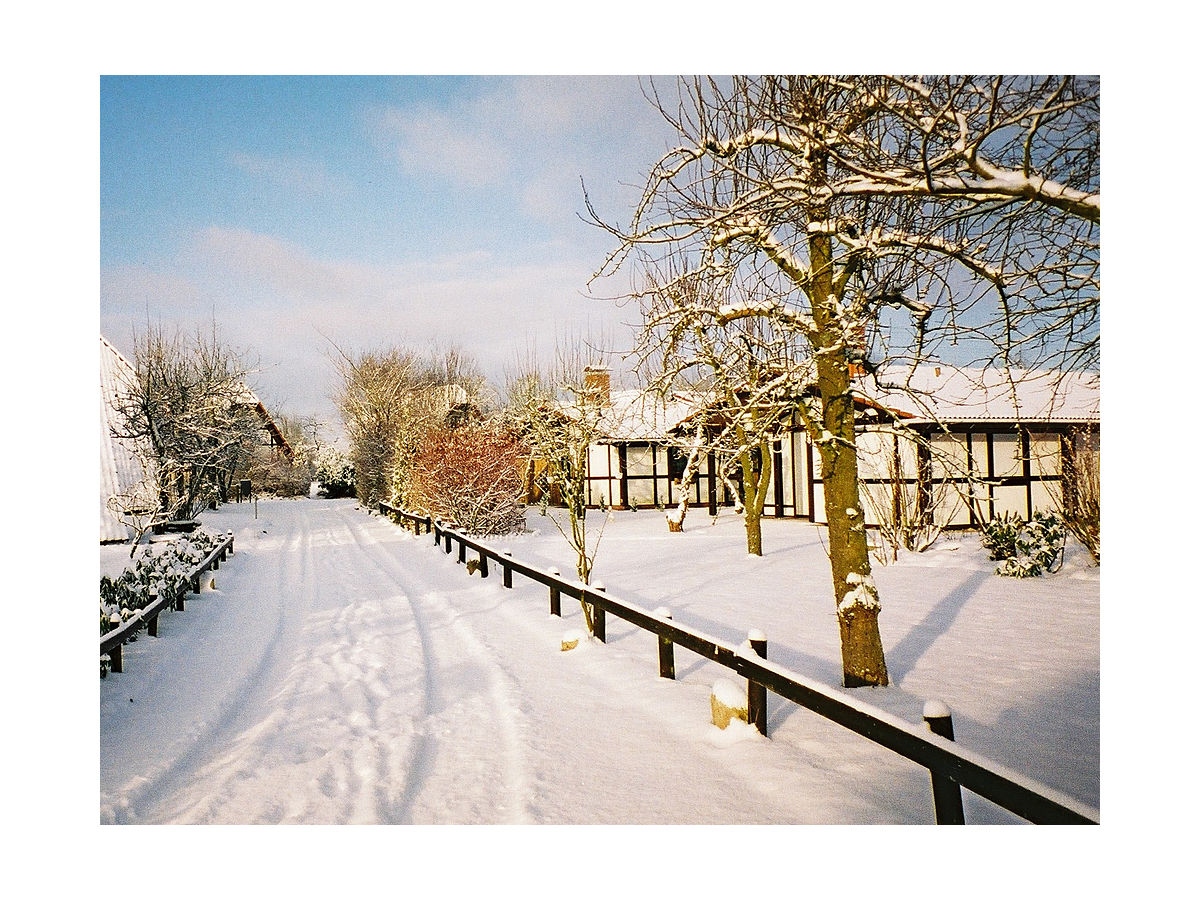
<point>112,641</point>
<point>951,766</point>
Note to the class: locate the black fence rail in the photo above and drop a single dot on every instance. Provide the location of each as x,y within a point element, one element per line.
<point>111,642</point>
<point>951,766</point>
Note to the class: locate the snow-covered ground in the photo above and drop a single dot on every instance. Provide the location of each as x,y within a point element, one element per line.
<point>343,670</point>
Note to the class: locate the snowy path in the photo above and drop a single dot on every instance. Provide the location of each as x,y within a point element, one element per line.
<point>313,691</point>
<point>345,671</point>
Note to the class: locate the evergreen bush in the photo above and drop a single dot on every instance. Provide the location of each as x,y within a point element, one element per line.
<point>1025,549</point>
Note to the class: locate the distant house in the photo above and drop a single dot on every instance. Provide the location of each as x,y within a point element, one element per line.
<point>271,435</point>
<point>989,443</point>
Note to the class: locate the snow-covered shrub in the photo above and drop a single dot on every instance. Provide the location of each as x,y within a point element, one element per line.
<point>999,536</point>
<point>335,474</point>
<point>472,475</point>
<point>161,569</point>
<point>1027,549</point>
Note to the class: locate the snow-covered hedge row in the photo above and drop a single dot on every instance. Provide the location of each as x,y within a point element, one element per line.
<point>1026,549</point>
<point>160,569</point>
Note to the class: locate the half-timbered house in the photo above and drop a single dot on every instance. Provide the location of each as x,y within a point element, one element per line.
<point>963,445</point>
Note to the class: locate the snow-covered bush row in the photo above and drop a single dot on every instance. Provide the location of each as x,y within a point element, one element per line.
<point>1026,549</point>
<point>160,569</point>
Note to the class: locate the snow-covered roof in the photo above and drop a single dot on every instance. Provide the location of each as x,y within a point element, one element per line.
<point>120,466</point>
<point>633,415</point>
<point>950,394</point>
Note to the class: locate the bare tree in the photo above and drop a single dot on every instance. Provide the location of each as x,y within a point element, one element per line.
<point>390,401</point>
<point>874,219</point>
<point>560,417</point>
<point>137,508</point>
<point>190,408</point>
<point>1079,501</point>
<point>740,377</point>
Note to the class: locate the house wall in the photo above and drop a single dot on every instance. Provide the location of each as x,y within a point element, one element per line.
<point>642,474</point>
<point>1020,471</point>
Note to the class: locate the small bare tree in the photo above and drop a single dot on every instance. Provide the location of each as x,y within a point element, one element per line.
<point>741,377</point>
<point>1079,499</point>
<point>560,417</point>
<point>905,505</point>
<point>137,508</point>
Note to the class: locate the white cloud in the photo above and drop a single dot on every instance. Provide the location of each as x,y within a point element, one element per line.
<point>429,141</point>
<point>286,305</point>
<point>303,175</point>
<point>535,137</point>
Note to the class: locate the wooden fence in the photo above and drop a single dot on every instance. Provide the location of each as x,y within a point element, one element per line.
<point>951,767</point>
<point>112,642</point>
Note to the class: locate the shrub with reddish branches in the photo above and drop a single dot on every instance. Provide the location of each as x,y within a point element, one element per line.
<point>473,476</point>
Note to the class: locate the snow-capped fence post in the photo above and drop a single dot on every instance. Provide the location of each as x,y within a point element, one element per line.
<point>756,694</point>
<point>598,625</point>
<point>666,649</point>
<point>947,795</point>
<point>462,552</point>
<point>507,570</point>
<point>229,537</point>
<point>555,596</point>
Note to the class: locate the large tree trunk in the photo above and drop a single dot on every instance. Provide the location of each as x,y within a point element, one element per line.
<point>853,587</point>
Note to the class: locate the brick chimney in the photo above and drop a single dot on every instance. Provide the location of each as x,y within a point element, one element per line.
<point>596,385</point>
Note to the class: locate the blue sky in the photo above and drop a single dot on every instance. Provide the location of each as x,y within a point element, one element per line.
<point>370,211</point>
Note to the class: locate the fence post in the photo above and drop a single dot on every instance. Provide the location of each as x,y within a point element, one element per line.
<point>462,552</point>
<point>483,566</point>
<point>666,649</point>
<point>555,597</point>
<point>114,659</point>
<point>152,622</point>
<point>598,628</point>
<point>507,570</point>
<point>229,534</point>
<point>180,595</point>
<point>756,694</point>
<point>947,795</point>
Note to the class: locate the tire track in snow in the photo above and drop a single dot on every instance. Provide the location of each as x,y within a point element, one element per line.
<point>478,781</point>
<point>311,734</point>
